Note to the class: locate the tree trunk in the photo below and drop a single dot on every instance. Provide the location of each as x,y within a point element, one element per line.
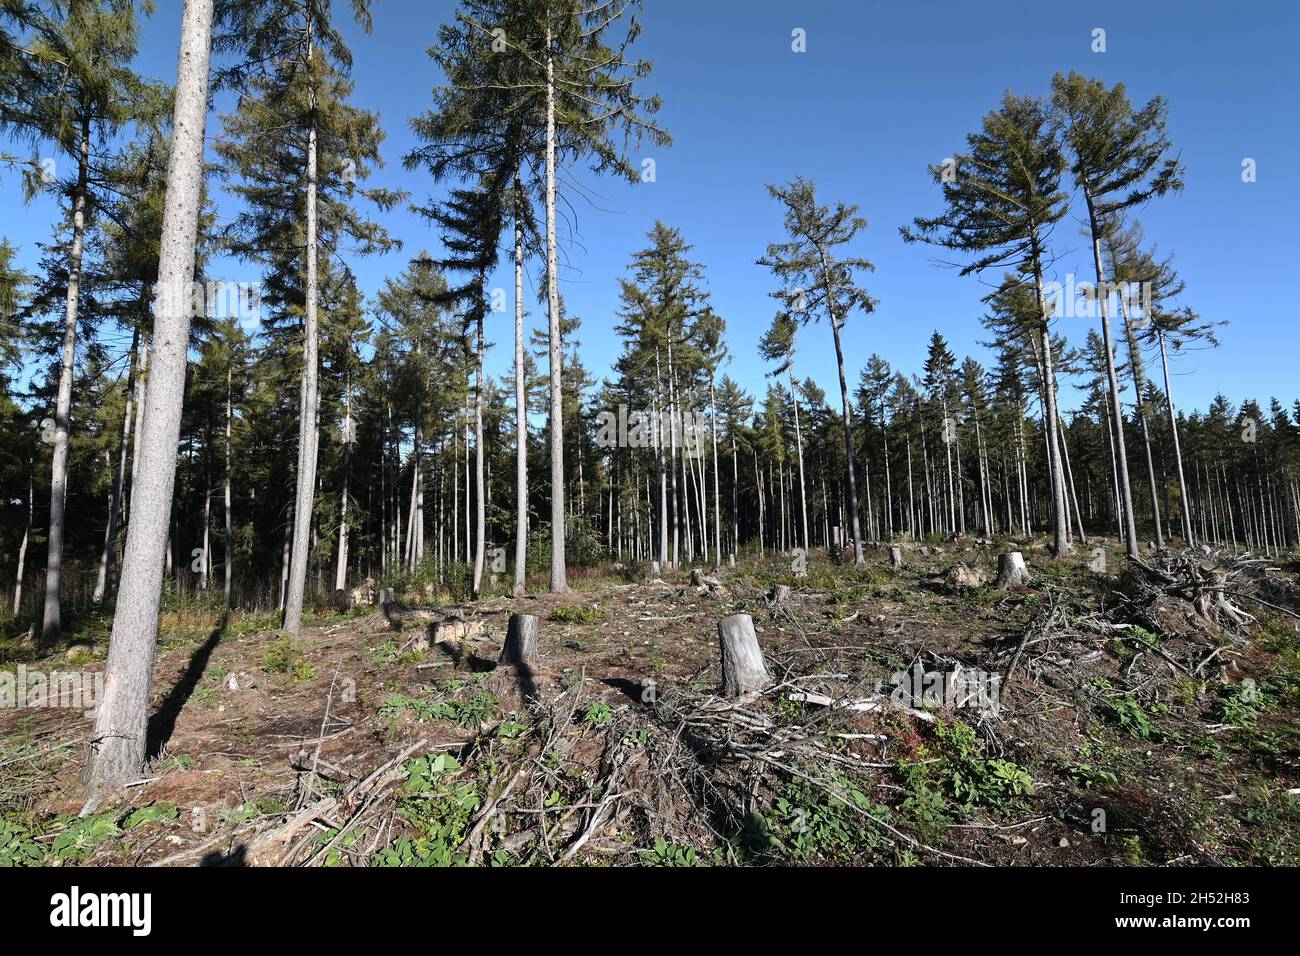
<point>306,487</point>
<point>119,736</point>
<point>521,406</point>
<point>480,491</point>
<point>341,564</point>
<point>230,521</point>
<point>109,556</point>
<point>559,580</point>
<point>52,623</point>
<point>27,533</point>
<point>1051,417</point>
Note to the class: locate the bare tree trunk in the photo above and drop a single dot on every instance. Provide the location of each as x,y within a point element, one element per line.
<point>717,498</point>
<point>798,442</point>
<point>559,580</point>
<point>109,555</point>
<point>118,740</point>
<point>1112,380</point>
<point>230,521</point>
<point>1051,417</point>
<point>1184,498</point>
<point>52,624</point>
<point>521,406</point>
<point>341,564</point>
<point>27,533</point>
<point>480,489</point>
<point>306,488</point>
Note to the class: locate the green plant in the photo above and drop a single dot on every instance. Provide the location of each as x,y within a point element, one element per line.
<point>283,658</point>
<point>150,814</point>
<point>79,835</point>
<point>18,847</point>
<point>669,854</point>
<point>1241,704</point>
<point>439,807</point>
<point>1126,713</point>
<point>956,767</point>
<point>1088,776</point>
<point>825,823</point>
<point>577,614</point>
<point>598,715</point>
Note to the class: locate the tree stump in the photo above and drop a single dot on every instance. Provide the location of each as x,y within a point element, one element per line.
<point>654,568</point>
<point>386,597</point>
<point>743,670</point>
<point>521,639</point>
<point>1012,572</point>
<point>731,559</point>
<point>895,556</point>
<point>779,594</point>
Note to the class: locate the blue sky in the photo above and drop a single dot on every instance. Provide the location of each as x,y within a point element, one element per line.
<point>883,91</point>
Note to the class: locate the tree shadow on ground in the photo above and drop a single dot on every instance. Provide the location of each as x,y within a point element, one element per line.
<point>163,722</point>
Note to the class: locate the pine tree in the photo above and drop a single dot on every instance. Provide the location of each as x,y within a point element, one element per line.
<point>1119,162</point>
<point>1003,198</point>
<point>817,283</point>
<point>293,127</point>
<point>78,91</point>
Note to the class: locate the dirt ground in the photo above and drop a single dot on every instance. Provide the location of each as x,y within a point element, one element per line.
<point>1127,728</point>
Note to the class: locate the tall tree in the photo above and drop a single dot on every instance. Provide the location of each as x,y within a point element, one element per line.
<point>1003,196</point>
<point>119,736</point>
<point>78,91</point>
<point>1120,162</point>
<point>818,283</point>
<point>293,130</point>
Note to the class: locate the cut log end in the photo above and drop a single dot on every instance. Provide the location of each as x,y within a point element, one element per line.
<point>743,670</point>
<point>895,556</point>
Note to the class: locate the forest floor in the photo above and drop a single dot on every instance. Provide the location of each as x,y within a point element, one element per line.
<point>1134,728</point>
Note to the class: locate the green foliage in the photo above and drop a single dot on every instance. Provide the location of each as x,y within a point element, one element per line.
<point>808,824</point>
<point>598,715</point>
<point>955,767</point>
<point>150,814</point>
<point>77,836</point>
<point>1089,777</point>
<point>283,657</point>
<point>1127,714</point>
<point>18,846</point>
<point>669,854</point>
<point>1241,704</point>
<point>440,808</point>
<point>577,614</point>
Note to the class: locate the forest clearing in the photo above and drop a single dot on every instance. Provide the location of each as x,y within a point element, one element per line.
<point>435,434</point>
<point>1133,729</point>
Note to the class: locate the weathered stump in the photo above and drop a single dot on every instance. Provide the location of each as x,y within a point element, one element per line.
<point>1012,572</point>
<point>743,670</point>
<point>731,559</point>
<point>386,597</point>
<point>521,639</point>
<point>654,568</point>
<point>778,594</point>
<point>895,556</point>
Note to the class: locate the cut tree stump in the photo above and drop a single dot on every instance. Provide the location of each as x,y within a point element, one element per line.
<point>743,670</point>
<point>895,556</point>
<point>778,595</point>
<point>654,568</point>
<point>521,639</point>
<point>1012,572</point>
<point>731,559</point>
<point>386,597</point>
